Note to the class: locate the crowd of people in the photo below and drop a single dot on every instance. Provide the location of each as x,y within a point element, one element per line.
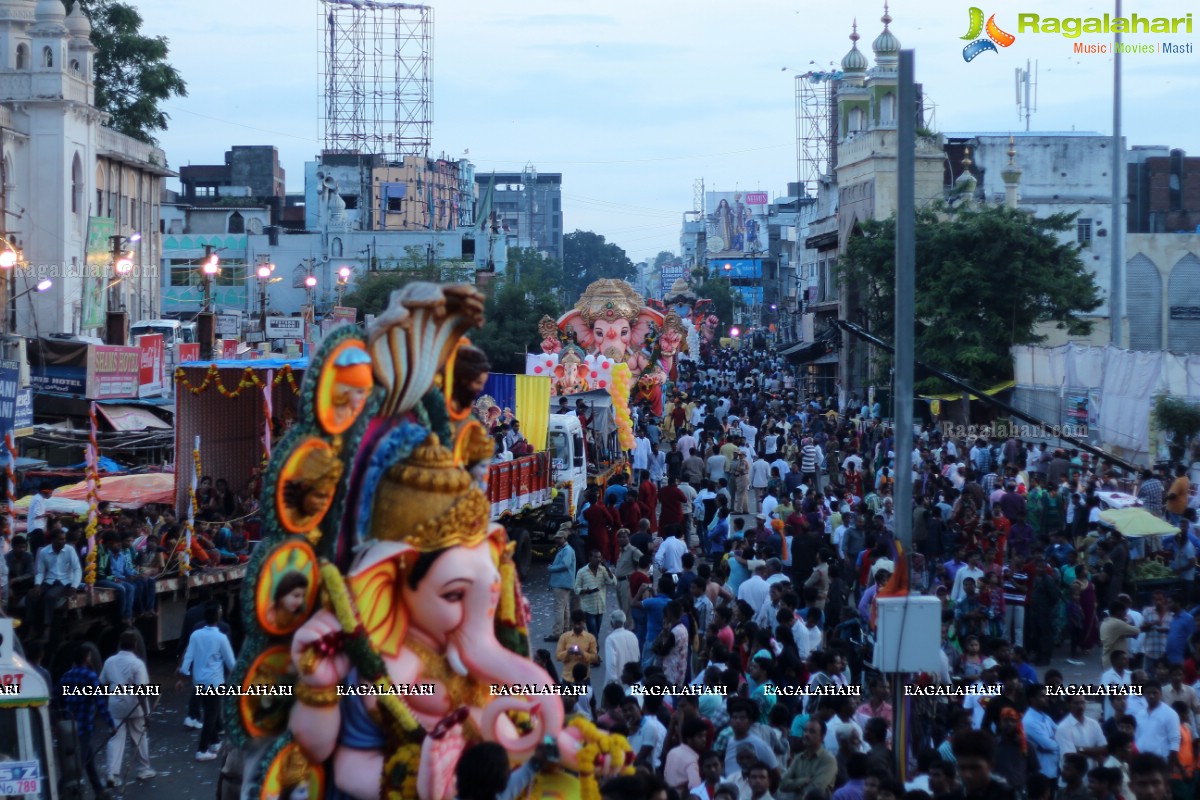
<point>745,553</point>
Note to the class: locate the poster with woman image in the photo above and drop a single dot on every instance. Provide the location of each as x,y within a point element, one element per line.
<point>94,305</point>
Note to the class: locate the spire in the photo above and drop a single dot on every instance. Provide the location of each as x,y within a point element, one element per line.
<point>966,182</point>
<point>886,45</point>
<point>854,63</point>
<point>1011,174</point>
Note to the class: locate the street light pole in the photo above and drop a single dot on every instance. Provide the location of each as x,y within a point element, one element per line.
<point>265,268</point>
<point>342,279</point>
<point>210,268</point>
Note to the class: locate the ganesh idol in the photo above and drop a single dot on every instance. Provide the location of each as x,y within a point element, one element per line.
<point>418,588</point>
<point>611,319</point>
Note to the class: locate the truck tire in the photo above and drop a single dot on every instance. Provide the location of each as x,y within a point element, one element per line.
<point>523,555</point>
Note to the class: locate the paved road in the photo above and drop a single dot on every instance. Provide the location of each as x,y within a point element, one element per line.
<point>172,746</point>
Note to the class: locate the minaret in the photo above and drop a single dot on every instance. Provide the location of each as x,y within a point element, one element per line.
<point>886,45</point>
<point>1011,175</point>
<point>966,183</point>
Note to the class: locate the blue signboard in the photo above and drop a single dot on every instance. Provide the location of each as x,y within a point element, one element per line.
<point>24,415</point>
<point>10,376</point>
<point>59,378</point>
<point>736,267</point>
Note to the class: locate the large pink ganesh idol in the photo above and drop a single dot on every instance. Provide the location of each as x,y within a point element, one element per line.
<point>611,319</point>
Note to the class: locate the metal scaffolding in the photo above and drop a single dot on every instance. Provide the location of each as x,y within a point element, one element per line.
<point>816,123</point>
<point>376,76</point>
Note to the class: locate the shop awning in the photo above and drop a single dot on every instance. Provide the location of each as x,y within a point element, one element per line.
<point>823,345</point>
<point>131,418</point>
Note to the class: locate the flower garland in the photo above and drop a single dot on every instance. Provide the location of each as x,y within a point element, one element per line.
<point>185,560</point>
<point>400,773</point>
<point>10,476</point>
<point>93,488</point>
<point>597,743</point>
<point>248,380</point>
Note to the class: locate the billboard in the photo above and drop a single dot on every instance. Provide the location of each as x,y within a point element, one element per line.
<point>24,417</point>
<point>285,327</point>
<point>94,309</point>
<point>671,272</point>
<point>735,222</point>
<point>735,268</point>
<point>113,372</point>
<point>150,368</point>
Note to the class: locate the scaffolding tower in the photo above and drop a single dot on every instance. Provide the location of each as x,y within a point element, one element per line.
<point>816,128</point>
<point>376,76</point>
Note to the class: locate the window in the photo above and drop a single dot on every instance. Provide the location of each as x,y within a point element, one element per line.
<point>855,120</point>
<point>76,185</point>
<point>887,109</point>
<point>555,204</point>
<point>351,201</point>
<point>205,191</point>
<point>1083,232</point>
<point>47,57</point>
<point>395,204</point>
<point>101,185</point>
<point>335,247</point>
<point>76,70</point>
<point>22,57</point>
<point>237,223</point>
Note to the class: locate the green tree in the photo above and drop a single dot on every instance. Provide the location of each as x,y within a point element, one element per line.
<point>372,290</point>
<point>664,258</point>
<point>587,257</point>
<point>987,278</point>
<point>514,307</point>
<point>133,76</point>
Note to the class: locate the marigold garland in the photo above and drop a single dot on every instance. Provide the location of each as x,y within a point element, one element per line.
<point>248,380</point>
<point>597,742</point>
<point>400,773</point>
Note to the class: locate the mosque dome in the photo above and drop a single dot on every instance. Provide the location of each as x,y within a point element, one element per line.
<point>886,46</point>
<point>854,61</point>
<point>50,11</point>
<point>78,24</point>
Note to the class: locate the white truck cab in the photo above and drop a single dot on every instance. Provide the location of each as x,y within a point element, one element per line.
<point>27,765</point>
<point>568,461</point>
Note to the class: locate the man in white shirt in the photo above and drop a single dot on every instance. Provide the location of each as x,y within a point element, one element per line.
<point>37,509</point>
<point>971,570</point>
<point>1079,733</point>
<point>641,456</point>
<point>669,558</point>
<point>755,590</point>
<point>646,734</point>
<point>126,669</point>
<point>620,648</point>
<point>1118,674</point>
<point>57,575</point>
<point>685,445</point>
<point>1157,726</point>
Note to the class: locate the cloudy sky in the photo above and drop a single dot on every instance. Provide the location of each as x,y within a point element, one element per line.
<point>634,101</point>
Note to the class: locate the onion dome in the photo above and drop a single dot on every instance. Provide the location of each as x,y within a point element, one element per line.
<point>854,61</point>
<point>886,45</point>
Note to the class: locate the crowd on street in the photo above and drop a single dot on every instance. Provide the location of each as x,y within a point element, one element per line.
<point>745,550</point>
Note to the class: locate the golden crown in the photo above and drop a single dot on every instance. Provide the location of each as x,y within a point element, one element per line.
<point>429,502</point>
<point>609,299</point>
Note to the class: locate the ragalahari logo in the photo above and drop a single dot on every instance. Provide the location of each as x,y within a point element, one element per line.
<point>995,36</point>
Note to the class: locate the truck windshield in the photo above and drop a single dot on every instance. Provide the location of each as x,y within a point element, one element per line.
<point>168,334</point>
<point>559,451</point>
<point>23,738</point>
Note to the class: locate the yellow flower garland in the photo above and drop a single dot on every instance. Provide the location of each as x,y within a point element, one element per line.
<point>248,380</point>
<point>408,758</point>
<point>612,745</point>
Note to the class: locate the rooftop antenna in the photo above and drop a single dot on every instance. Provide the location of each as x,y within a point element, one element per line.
<point>1026,83</point>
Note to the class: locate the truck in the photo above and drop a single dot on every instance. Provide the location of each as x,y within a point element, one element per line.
<point>531,496</point>
<point>30,766</point>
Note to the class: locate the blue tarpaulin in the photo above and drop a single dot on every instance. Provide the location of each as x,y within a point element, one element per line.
<point>253,363</point>
<point>106,465</point>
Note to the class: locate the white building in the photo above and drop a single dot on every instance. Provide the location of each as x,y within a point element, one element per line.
<point>62,169</point>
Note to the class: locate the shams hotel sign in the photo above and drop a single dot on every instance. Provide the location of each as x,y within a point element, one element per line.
<point>1149,32</point>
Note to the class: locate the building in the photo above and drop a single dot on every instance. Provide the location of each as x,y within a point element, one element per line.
<point>1060,172</point>
<point>1164,191</point>
<point>249,171</point>
<point>70,184</point>
<point>860,185</point>
<point>358,212</point>
<point>527,206</point>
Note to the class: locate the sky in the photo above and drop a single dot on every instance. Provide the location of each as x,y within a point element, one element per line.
<point>633,102</point>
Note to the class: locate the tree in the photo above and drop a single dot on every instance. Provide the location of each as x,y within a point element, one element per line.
<point>1180,419</point>
<point>664,258</point>
<point>514,307</point>
<point>373,289</point>
<point>587,257</point>
<point>132,74</point>
<point>986,279</point>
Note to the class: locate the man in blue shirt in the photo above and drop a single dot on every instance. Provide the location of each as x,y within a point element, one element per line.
<point>562,582</point>
<point>209,658</point>
<point>654,607</point>
<point>1183,624</point>
<point>84,708</point>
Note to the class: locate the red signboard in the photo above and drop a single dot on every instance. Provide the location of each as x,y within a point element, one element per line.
<point>112,372</point>
<point>188,352</point>
<point>229,348</point>
<point>756,198</point>
<point>150,367</point>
